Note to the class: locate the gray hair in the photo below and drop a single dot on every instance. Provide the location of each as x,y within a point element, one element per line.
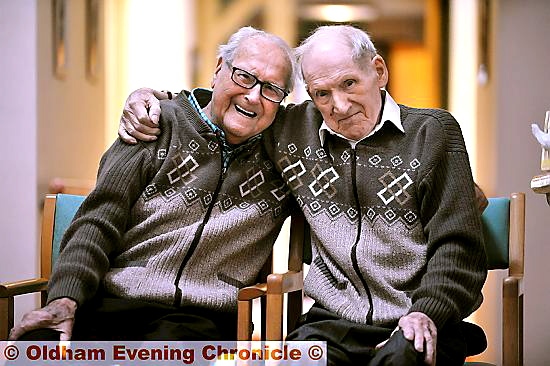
<point>357,39</point>
<point>227,51</point>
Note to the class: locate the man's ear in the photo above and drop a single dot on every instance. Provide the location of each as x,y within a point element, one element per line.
<point>308,92</point>
<point>218,68</point>
<point>381,70</point>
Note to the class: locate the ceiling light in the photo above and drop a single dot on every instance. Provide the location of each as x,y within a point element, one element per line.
<point>338,13</point>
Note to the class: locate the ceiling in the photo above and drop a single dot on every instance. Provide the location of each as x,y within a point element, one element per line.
<point>386,8</point>
<point>394,20</point>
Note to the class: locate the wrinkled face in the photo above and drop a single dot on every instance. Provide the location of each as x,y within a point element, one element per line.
<point>346,92</point>
<point>240,112</point>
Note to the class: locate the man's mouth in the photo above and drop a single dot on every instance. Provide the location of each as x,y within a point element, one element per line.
<point>349,118</point>
<point>245,112</point>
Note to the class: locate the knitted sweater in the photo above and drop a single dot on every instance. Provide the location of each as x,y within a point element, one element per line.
<point>394,224</point>
<point>164,224</point>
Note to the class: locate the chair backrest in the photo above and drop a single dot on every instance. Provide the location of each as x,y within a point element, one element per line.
<point>503,232</point>
<point>299,248</point>
<point>59,210</point>
<point>496,230</point>
<point>504,235</point>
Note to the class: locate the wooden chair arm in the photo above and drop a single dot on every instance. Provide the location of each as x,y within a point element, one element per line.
<point>280,283</point>
<point>10,289</point>
<point>244,309</point>
<point>512,286</point>
<point>252,292</point>
<point>277,285</point>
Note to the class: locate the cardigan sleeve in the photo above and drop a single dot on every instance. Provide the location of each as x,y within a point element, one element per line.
<point>456,270</point>
<point>100,222</point>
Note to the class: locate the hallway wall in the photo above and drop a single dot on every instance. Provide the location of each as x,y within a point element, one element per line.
<point>71,110</point>
<point>18,153</point>
<point>522,97</point>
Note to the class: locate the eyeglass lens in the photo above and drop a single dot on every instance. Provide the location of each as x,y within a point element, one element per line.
<point>267,90</point>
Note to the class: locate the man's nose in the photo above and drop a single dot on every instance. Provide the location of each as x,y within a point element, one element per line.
<point>340,103</point>
<point>254,94</point>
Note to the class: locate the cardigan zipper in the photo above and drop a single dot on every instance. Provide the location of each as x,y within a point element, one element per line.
<point>358,235</point>
<point>178,295</point>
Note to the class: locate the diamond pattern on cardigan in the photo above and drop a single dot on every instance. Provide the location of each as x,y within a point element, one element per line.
<point>252,185</point>
<point>323,180</point>
<point>395,188</point>
<point>292,171</point>
<point>183,170</point>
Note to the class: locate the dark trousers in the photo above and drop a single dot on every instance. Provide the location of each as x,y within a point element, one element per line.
<point>353,344</point>
<point>110,319</point>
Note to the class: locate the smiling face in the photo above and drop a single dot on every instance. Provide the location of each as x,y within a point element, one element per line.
<point>240,112</point>
<point>346,92</point>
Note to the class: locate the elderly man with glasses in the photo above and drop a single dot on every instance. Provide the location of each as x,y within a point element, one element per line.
<point>160,247</point>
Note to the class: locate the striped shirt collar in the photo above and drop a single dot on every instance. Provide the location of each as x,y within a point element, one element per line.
<point>205,96</point>
<point>229,151</point>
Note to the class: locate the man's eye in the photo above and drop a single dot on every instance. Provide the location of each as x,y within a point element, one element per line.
<point>321,93</point>
<point>270,88</point>
<point>349,83</point>
<point>245,77</point>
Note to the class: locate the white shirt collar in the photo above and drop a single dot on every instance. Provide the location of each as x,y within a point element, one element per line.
<point>390,113</point>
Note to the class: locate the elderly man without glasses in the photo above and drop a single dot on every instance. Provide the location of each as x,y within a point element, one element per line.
<point>160,247</point>
<point>398,259</point>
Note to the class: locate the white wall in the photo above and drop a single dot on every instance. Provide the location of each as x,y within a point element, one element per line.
<point>18,212</point>
<point>147,44</point>
<point>516,95</point>
<point>71,111</point>
<point>523,96</point>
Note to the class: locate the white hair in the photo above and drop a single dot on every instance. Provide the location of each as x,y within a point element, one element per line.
<point>227,51</point>
<point>358,40</point>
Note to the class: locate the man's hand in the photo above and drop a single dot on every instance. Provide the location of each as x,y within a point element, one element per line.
<point>140,117</point>
<point>420,329</point>
<point>57,315</point>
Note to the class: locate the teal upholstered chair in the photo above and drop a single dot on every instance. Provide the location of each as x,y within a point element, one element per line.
<point>504,234</point>
<point>503,231</point>
<point>59,211</point>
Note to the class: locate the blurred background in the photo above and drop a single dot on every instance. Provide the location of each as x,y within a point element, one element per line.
<point>66,67</point>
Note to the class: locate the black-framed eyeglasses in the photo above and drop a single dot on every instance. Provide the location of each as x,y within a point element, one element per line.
<point>269,91</point>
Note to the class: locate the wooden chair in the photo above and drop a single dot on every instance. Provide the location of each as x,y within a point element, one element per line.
<point>504,235</point>
<point>59,210</point>
<point>273,289</point>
